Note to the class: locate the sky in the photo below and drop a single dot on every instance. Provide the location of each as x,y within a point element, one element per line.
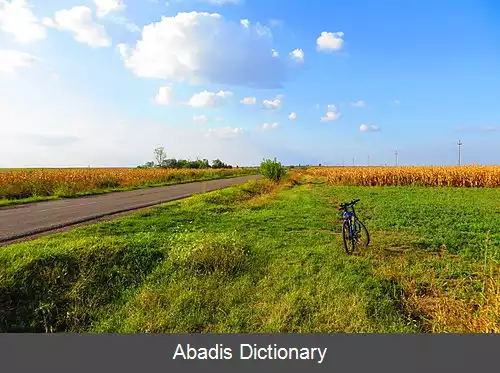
<point>102,83</point>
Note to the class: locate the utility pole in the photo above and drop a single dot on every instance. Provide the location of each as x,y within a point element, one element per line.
<point>396,154</point>
<point>343,162</point>
<point>459,152</point>
<point>353,162</point>
<point>368,161</point>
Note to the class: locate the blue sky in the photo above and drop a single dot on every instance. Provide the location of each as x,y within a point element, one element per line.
<point>79,78</point>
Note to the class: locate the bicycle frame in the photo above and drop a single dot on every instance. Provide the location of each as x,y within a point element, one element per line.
<point>350,217</point>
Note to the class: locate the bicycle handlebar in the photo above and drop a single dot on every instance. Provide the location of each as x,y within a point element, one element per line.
<point>347,204</point>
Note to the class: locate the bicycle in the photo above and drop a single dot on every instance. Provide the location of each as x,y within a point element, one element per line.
<point>353,228</point>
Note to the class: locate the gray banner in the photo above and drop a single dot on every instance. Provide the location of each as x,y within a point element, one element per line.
<point>248,353</point>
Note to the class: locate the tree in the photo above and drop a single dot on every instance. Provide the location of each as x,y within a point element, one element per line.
<point>160,156</point>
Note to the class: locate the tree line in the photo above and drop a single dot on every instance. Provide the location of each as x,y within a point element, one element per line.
<point>161,160</point>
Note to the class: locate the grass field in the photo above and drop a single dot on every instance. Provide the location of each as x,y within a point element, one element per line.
<point>18,186</point>
<point>266,258</point>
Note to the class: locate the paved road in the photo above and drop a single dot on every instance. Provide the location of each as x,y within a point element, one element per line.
<point>25,221</point>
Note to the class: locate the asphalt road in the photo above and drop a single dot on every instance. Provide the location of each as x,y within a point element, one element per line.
<point>31,220</point>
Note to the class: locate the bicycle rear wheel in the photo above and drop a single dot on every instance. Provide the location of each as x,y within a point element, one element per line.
<point>349,242</point>
<point>362,237</point>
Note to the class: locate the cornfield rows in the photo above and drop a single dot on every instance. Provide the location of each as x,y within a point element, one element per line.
<point>442,176</point>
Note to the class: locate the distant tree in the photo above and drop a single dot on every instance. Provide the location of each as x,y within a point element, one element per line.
<point>149,164</point>
<point>160,156</point>
<point>170,163</point>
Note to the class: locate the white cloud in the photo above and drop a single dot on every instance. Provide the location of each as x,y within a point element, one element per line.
<point>11,60</point>
<point>272,104</point>
<point>358,104</point>
<point>207,47</point>
<point>298,55</point>
<point>292,116</point>
<point>275,53</point>
<point>123,49</point>
<point>329,41</point>
<point>200,119</point>
<point>331,115</point>
<point>269,126</point>
<point>18,20</point>
<point>249,101</point>
<point>165,96</point>
<point>245,23</point>
<point>368,128</point>
<point>78,20</point>
<point>224,132</point>
<point>207,99</point>
<point>104,7</point>
<point>397,102</point>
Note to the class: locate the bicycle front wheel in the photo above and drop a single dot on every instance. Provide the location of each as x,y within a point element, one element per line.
<point>361,236</point>
<point>349,241</point>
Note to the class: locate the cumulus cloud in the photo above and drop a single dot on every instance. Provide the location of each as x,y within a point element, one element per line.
<point>397,102</point>
<point>19,21</point>
<point>269,126</point>
<point>207,99</point>
<point>78,20</point>
<point>274,53</point>
<point>104,7</point>
<point>292,116</point>
<point>249,101</point>
<point>331,114</point>
<point>245,23</point>
<point>165,96</point>
<point>11,60</point>
<point>297,55</point>
<point>368,128</point>
<point>200,119</point>
<point>358,104</point>
<point>330,41</point>
<point>224,132</point>
<point>207,47</point>
<point>273,104</point>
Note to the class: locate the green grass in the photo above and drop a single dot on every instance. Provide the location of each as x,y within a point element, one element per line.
<point>257,258</point>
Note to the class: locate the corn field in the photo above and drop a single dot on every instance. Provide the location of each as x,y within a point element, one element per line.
<point>437,176</point>
<point>19,183</point>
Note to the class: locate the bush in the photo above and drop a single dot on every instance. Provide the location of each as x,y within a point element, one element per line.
<point>272,169</point>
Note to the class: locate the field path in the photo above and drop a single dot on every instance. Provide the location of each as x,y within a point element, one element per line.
<point>30,220</point>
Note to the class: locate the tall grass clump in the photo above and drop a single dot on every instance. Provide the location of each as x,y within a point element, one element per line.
<point>223,253</point>
<point>272,169</point>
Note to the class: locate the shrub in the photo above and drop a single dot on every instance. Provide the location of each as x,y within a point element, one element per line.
<point>272,169</point>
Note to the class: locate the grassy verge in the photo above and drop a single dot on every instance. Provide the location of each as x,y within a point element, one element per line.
<point>65,194</point>
<point>266,258</point>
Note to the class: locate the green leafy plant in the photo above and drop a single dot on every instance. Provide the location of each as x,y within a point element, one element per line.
<point>272,169</point>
